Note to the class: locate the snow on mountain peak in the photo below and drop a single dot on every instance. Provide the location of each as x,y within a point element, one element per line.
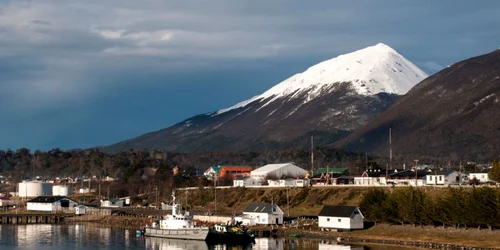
<point>371,70</point>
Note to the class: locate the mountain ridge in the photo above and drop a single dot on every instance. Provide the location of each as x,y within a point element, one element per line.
<point>323,99</point>
<point>450,114</point>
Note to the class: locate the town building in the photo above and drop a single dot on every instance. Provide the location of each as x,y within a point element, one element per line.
<point>50,203</point>
<point>408,177</point>
<point>230,171</point>
<point>113,203</point>
<point>261,214</point>
<point>481,176</point>
<point>289,182</point>
<point>371,177</point>
<point>278,171</point>
<point>6,203</point>
<point>246,182</point>
<point>340,218</point>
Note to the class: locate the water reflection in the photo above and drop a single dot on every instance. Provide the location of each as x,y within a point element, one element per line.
<point>332,246</point>
<point>91,236</point>
<point>153,243</point>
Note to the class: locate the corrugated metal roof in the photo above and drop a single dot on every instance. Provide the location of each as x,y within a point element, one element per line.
<point>47,199</point>
<point>272,167</point>
<point>260,208</point>
<point>337,211</point>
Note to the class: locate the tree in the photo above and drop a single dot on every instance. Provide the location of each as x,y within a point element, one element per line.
<point>494,173</point>
<point>372,205</point>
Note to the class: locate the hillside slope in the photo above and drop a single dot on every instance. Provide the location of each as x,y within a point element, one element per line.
<point>454,113</point>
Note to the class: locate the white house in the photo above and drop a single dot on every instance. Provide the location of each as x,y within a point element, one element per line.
<point>50,203</point>
<point>435,179</point>
<point>278,171</point>
<point>246,182</point>
<point>343,218</point>
<point>370,178</point>
<point>481,177</point>
<point>261,214</point>
<point>112,203</point>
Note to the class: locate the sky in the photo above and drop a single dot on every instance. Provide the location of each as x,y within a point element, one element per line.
<point>79,74</point>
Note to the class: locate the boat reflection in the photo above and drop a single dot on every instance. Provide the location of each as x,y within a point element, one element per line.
<point>154,243</point>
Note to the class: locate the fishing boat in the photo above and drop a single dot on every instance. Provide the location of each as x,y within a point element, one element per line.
<point>231,233</point>
<point>177,226</point>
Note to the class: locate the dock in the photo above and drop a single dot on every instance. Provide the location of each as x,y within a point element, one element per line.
<point>33,218</point>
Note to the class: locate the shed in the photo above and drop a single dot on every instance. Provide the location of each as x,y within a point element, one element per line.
<point>262,214</point>
<point>80,210</point>
<point>343,218</point>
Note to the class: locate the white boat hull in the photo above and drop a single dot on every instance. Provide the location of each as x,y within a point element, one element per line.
<point>184,234</point>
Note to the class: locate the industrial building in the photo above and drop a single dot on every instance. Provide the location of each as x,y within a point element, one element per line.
<point>50,203</point>
<point>278,171</point>
<point>34,189</point>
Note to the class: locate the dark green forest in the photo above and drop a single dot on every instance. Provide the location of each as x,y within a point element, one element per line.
<point>126,165</point>
<point>458,207</point>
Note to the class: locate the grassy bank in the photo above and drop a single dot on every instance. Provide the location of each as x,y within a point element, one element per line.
<point>303,201</point>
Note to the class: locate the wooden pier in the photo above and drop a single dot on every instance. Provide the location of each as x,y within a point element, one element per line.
<point>33,218</point>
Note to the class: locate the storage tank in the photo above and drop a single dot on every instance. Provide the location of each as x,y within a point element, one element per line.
<point>34,189</point>
<point>61,190</point>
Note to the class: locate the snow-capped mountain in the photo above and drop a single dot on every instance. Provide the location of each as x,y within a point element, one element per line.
<point>329,99</point>
<point>370,71</point>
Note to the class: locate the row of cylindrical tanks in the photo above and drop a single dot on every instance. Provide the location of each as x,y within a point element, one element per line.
<point>38,188</point>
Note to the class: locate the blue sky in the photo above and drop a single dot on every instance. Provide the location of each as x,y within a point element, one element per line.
<point>76,74</point>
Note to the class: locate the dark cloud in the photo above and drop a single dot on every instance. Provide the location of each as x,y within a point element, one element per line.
<point>76,74</point>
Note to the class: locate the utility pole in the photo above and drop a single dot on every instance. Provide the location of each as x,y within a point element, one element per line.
<point>312,155</point>
<point>416,172</point>
<point>215,194</point>
<point>287,202</point>
<point>156,193</point>
<point>366,161</point>
<point>390,148</point>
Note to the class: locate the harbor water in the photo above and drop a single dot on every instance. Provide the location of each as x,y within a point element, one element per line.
<point>90,236</point>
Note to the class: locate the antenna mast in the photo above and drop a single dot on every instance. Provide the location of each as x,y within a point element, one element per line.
<point>390,147</point>
<point>312,154</point>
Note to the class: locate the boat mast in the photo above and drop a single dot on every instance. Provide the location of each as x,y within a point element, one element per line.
<point>174,205</point>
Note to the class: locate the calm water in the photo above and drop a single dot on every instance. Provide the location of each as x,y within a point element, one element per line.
<point>76,237</point>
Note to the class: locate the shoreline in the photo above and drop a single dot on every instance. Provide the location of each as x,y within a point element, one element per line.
<point>406,236</point>
<point>381,234</point>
